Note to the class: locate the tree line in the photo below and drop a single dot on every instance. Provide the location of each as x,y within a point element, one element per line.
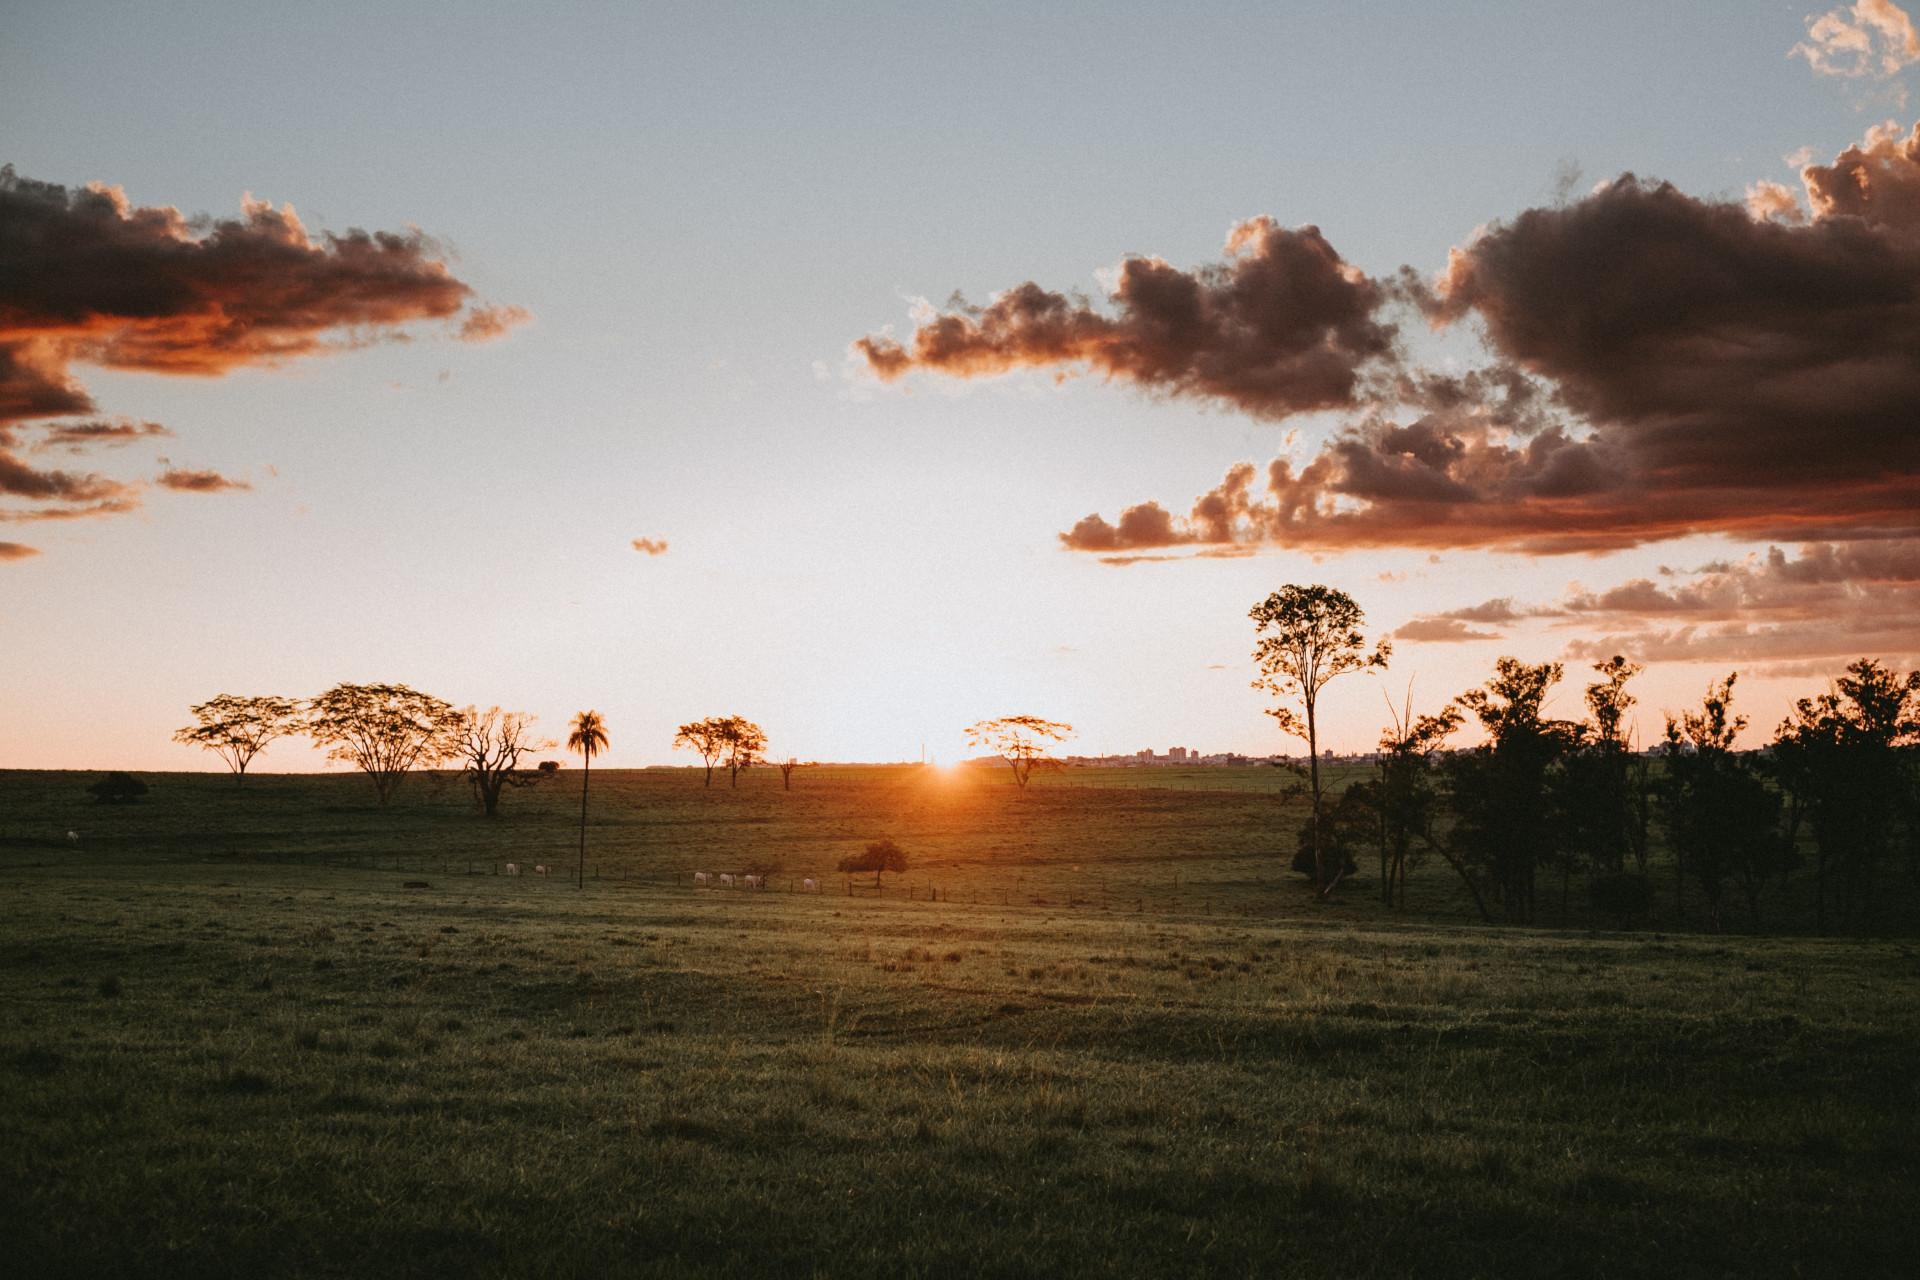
<point>1542,801</point>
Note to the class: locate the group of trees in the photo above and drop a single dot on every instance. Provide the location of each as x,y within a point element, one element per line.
<point>384,730</point>
<point>1543,797</point>
<point>732,743</point>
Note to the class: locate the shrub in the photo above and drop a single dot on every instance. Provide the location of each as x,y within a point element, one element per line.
<point>118,788</point>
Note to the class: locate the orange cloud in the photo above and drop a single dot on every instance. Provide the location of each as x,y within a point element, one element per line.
<point>1282,326</point>
<point>1441,631</point>
<point>1830,600</point>
<point>650,546</point>
<point>185,481</point>
<point>17,551</point>
<point>1871,38</point>
<point>484,324</point>
<point>87,278</point>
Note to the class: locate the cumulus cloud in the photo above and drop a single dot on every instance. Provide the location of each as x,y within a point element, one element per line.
<point>88,278</point>
<point>1283,325</point>
<point>17,551</point>
<point>1660,365</point>
<point>1871,38</point>
<point>183,480</point>
<point>650,546</point>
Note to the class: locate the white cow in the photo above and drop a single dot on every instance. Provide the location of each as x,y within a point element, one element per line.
<point>702,880</point>
<point>755,882</point>
<point>726,880</point>
<point>73,837</point>
<point>513,868</point>
<point>539,871</point>
<point>810,885</point>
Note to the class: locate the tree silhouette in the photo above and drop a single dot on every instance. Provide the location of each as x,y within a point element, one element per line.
<point>1021,741</point>
<point>491,742</point>
<point>1847,756</point>
<point>589,738</point>
<point>744,741</point>
<point>382,729</point>
<point>1720,815</point>
<point>881,855</point>
<point>1315,636</point>
<point>238,728</point>
<point>1503,828</point>
<point>707,737</point>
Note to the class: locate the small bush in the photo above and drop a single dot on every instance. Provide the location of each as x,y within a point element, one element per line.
<point>118,788</point>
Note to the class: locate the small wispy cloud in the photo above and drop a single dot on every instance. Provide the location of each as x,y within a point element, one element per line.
<point>17,551</point>
<point>650,546</point>
<point>1872,38</point>
<point>184,480</point>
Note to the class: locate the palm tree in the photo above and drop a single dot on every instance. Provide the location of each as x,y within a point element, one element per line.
<point>589,738</point>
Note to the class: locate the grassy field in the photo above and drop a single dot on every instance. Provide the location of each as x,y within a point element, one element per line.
<point>238,1036</point>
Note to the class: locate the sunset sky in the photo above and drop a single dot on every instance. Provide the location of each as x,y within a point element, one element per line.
<point>607,356</point>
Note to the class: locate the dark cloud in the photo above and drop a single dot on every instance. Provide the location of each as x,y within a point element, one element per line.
<point>77,437</point>
<point>1660,365</point>
<point>17,551</point>
<point>185,481</point>
<point>1282,326</point>
<point>87,278</point>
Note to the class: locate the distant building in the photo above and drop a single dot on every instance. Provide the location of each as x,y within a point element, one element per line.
<point>1176,753</point>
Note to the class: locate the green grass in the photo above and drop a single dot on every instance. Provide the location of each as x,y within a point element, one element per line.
<point>229,1045</point>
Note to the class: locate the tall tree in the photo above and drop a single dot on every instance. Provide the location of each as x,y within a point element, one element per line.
<point>1309,635</point>
<point>706,737</point>
<point>1721,817</point>
<point>1402,795</point>
<point>745,742</point>
<point>382,729</point>
<point>1848,756</point>
<point>237,729</point>
<point>1502,828</point>
<point>1021,741</point>
<point>588,736</point>
<point>491,743</point>
<point>1598,790</point>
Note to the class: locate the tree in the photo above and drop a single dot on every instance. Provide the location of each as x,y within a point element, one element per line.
<point>1847,757</point>
<point>1315,637</point>
<point>237,729</point>
<point>881,855</point>
<point>589,738</point>
<point>1021,741</point>
<point>744,741</point>
<point>491,742</point>
<point>384,730</point>
<point>787,767</point>
<point>1401,794</point>
<point>1503,828</point>
<point>1721,817</point>
<point>707,737</point>
<point>1598,790</point>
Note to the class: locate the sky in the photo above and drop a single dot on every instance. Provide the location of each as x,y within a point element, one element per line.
<point>870,370</point>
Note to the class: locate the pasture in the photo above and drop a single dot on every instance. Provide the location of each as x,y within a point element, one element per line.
<point>238,1036</point>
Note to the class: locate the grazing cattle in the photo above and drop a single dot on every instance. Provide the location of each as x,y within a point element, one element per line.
<point>726,880</point>
<point>513,868</point>
<point>810,885</point>
<point>539,871</point>
<point>754,882</point>
<point>73,837</point>
<point>702,880</point>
